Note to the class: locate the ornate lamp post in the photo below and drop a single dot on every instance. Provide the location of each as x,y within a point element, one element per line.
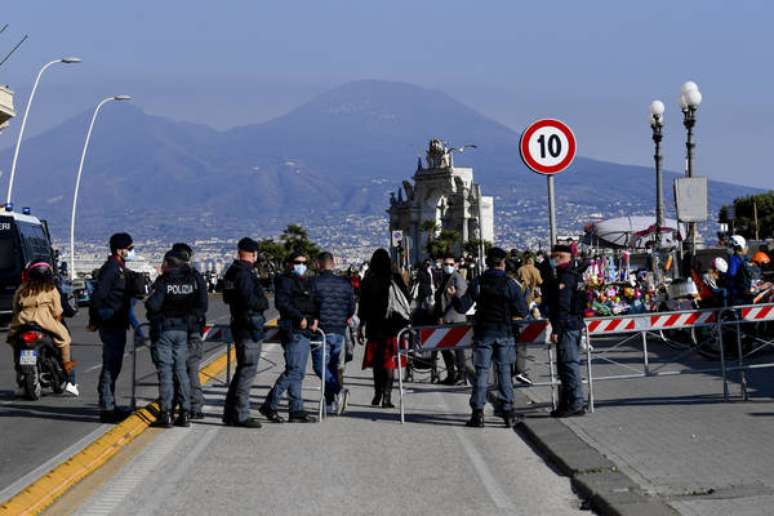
<point>656,124</point>
<point>690,99</point>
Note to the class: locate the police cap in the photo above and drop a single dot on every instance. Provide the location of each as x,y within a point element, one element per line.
<point>496,254</point>
<point>174,258</point>
<point>184,250</point>
<point>120,241</point>
<point>248,245</point>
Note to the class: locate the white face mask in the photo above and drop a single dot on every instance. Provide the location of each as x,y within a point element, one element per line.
<point>299,269</point>
<point>130,255</point>
<point>448,269</point>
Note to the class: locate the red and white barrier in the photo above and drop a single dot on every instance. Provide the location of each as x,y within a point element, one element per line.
<point>758,313</point>
<point>445,337</point>
<point>609,326</point>
<point>681,320</point>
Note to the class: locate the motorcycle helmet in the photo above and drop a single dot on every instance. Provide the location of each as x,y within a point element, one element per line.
<point>720,265</point>
<point>760,258</point>
<point>737,242</point>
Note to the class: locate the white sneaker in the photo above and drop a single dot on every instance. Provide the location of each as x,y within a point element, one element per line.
<point>72,389</point>
<point>343,400</point>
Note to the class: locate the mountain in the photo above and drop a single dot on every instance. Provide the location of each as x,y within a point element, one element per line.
<point>342,152</point>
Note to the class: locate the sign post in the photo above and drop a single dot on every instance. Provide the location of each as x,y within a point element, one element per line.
<point>548,147</point>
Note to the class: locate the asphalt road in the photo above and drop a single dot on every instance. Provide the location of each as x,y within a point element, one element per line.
<point>38,434</point>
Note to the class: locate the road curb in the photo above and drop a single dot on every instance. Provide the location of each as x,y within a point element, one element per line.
<point>44,491</point>
<point>593,476</point>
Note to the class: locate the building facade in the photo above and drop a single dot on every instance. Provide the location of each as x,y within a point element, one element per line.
<point>442,198</point>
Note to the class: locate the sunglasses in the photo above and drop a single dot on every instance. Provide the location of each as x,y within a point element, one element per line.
<point>299,262</point>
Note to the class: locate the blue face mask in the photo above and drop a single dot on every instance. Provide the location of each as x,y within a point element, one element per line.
<point>299,269</point>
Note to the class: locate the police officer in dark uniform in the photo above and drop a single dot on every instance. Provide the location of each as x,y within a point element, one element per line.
<point>198,320</point>
<point>498,299</point>
<point>299,309</point>
<point>109,313</point>
<point>172,305</point>
<point>566,299</point>
<point>243,293</point>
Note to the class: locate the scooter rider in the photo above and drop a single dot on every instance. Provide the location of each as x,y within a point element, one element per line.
<point>171,306</point>
<point>243,293</point>
<point>197,322</point>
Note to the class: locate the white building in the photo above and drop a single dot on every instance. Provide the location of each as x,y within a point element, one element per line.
<point>444,195</point>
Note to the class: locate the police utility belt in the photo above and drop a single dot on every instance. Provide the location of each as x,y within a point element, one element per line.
<point>173,322</point>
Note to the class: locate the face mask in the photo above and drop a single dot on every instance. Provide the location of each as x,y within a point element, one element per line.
<point>448,269</point>
<point>130,255</point>
<point>299,269</point>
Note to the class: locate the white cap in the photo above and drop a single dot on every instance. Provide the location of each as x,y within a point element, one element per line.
<point>720,265</point>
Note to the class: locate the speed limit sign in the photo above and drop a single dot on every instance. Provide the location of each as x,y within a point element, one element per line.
<point>547,146</point>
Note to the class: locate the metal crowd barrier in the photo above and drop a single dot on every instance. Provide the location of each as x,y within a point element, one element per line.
<point>650,323</point>
<point>452,337</point>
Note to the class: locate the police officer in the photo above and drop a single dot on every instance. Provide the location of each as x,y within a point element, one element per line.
<point>198,320</point>
<point>498,299</point>
<point>109,313</point>
<point>566,299</point>
<point>171,306</point>
<point>299,311</point>
<point>243,293</point>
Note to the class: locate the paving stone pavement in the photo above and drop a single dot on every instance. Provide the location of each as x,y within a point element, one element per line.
<point>677,437</point>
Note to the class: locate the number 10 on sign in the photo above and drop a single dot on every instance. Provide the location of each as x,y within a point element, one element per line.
<point>547,147</point>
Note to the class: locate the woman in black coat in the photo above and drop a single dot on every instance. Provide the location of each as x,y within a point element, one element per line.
<point>376,329</point>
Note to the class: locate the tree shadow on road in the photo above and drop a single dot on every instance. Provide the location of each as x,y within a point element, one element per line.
<point>37,411</point>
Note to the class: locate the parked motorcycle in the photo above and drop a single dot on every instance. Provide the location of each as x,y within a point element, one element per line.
<point>38,363</point>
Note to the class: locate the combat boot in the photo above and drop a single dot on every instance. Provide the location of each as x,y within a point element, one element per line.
<point>164,420</point>
<point>476,419</point>
<point>183,419</point>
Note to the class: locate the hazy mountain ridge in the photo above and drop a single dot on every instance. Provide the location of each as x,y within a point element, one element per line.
<point>342,151</point>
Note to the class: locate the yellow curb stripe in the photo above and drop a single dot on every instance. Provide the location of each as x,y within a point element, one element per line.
<point>44,491</point>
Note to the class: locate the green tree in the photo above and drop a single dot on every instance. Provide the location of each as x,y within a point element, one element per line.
<point>471,247</point>
<point>744,219</point>
<point>296,238</point>
<point>443,244</point>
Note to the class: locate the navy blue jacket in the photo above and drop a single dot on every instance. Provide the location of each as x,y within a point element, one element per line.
<point>497,324</point>
<point>110,301</point>
<point>566,299</point>
<point>243,293</point>
<point>295,299</point>
<point>337,302</point>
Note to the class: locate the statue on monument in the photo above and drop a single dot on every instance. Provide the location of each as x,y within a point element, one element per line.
<point>438,155</point>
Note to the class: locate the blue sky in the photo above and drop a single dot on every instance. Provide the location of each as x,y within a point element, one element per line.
<point>597,65</point>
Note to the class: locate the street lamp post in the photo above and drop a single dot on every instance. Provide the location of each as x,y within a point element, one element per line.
<point>78,177</point>
<point>690,99</point>
<point>657,124</point>
<point>65,60</point>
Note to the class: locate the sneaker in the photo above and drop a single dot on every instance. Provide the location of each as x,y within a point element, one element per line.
<point>271,414</point>
<point>301,417</point>
<point>72,389</point>
<point>569,412</point>
<point>523,379</point>
<point>343,401</point>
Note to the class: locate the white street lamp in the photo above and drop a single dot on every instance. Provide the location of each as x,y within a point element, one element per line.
<point>65,60</point>
<point>78,177</point>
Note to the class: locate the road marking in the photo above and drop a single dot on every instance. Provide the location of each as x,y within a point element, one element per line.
<point>36,473</point>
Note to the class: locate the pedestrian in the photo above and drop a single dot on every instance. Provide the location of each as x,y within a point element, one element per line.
<point>427,283</point>
<point>171,306</point>
<point>109,313</point>
<point>498,300</point>
<point>243,293</point>
<point>739,276</point>
<point>337,306</point>
<point>566,298</point>
<point>378,328</point>
<point>299,310</point>
<point>197,323</point>
<point>446,313</point>
<point>529,277</point>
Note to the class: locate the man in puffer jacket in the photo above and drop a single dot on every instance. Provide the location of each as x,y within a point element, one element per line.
<point>337,306</point>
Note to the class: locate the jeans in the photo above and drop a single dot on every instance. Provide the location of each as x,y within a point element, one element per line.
<point>248,353</point>
<point>333,346</point>
<point>113,345</point>
<point>502,350</point>
<point>291,380</point>
<point>568,367</point>
<point>192,365</point>
<point>170,353</point>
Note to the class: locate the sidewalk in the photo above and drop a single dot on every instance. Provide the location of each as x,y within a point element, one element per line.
<point>678,439</point>
<point>362,463</point>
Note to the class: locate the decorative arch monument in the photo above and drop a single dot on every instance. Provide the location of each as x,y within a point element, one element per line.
<point>445,195</point>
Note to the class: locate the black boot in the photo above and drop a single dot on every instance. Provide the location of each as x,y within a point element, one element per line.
<point>387,395</point>
<point>476,419</point>
<point>164,420</point>
<point>184,419</point>
<point>378,387</point>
